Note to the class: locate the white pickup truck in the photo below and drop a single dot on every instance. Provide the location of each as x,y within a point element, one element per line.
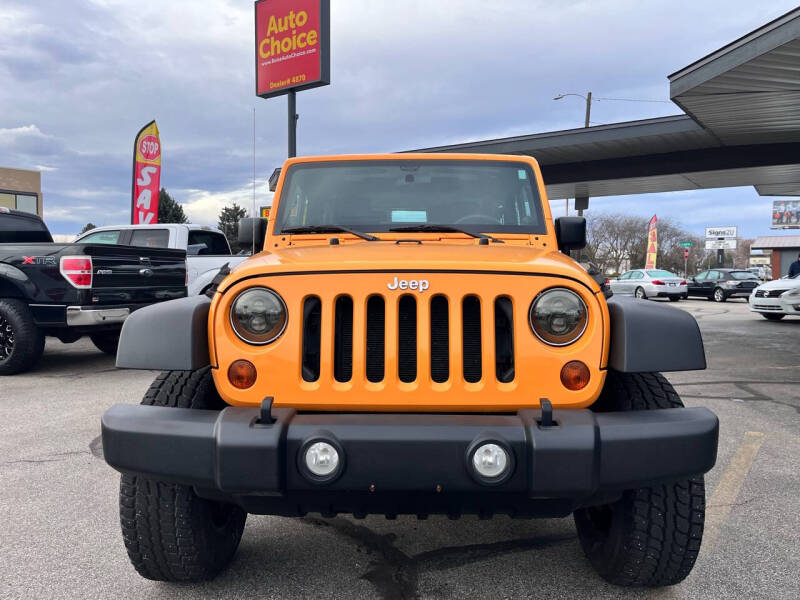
<point>207,250</point>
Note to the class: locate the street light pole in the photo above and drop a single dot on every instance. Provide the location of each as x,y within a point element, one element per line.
<point>588,107</point>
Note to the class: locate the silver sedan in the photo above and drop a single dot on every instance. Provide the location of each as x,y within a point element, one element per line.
<point>650,283</point>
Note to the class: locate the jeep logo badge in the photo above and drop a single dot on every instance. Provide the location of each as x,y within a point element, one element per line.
<point>415,284</point>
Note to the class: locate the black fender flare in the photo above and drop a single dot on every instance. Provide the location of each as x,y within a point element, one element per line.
<point>168,336</point>
<point>649,336</point>
<point>17,281</point>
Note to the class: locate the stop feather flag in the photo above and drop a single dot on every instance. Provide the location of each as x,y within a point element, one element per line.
<point>146,175</point>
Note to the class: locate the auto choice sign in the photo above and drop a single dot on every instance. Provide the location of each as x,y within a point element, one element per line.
<point>292,45</point>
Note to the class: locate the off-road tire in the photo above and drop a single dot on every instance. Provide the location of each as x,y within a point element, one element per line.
<point>718,295</point>
<point>650,536</point>
<point>106,342</point>
<point>22,340</point>
<point>772,316</point>
<point>637,294</point>
<point>170,533</point>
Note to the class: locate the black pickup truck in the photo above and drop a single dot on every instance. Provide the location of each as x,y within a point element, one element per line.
<point>72,290</point>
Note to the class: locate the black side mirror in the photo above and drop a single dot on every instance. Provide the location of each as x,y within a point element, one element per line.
<point>252,230</point>
<point>570,233</point>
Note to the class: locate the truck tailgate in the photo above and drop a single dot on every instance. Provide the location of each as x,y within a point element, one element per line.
<point>123,274</point>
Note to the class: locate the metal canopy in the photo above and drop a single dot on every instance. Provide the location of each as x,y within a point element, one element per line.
<point>741,127</point>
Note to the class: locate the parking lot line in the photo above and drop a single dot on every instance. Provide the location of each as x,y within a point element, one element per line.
<point>719,506</point>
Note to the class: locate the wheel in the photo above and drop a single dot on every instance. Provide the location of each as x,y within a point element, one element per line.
<point>674,298</point>
<point>106,342</point>
<point>639,293</point>
<point>772,316</point>
<point>719,295</point>
<point>21,341</point>
<point>170,533</point>
<point>650,536</point>
<point>685,296</point>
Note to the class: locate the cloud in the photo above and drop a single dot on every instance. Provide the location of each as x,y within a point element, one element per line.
<point>80,78</point>
<point>202,206</point>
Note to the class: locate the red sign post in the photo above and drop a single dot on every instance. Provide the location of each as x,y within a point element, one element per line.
<point>292,50</point>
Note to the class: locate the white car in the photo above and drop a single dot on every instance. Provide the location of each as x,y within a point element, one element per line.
<point>207,250</point>
<point>777,298</point>
<point>649,283</point>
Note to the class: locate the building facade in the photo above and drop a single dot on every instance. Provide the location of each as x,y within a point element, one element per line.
<point>784,251</point>
<point>21,189</point>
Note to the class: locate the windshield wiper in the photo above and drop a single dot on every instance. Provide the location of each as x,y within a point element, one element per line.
<point>445,229</point>
<point>331,229</point>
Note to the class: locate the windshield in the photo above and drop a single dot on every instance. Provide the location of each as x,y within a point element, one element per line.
<point>380,196</point>
<point>743,275</point>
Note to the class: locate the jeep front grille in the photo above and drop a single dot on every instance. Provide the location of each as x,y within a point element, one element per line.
<point>437,314</point>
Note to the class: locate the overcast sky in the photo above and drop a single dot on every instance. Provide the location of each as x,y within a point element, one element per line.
<point>80,78</point>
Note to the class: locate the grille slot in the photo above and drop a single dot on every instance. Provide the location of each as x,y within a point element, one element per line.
<point>312,315</point>
<point>471,338</point>
<point>376,339</point>
<point>504,339</point>
<point>407,339</point>
<point>440,339</point>
<point>343,339</point>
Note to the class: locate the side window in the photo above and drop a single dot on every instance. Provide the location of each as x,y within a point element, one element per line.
<point>701,276</point>
<point>101,237</point>
<point>207,242</point>
<point>151,238</point>
<point>637,275</point>
<point>626,275</point>
<point>715,275</point>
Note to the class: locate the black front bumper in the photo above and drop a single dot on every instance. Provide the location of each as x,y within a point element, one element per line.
<point>410,463</point>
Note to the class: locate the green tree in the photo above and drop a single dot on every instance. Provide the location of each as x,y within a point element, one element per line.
<point>228,224</point>
<point>88,227</point>
<point>169,211</point>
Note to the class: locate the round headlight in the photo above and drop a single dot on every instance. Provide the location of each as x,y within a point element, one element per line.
<point>558,316</point>
<point>258,316</point>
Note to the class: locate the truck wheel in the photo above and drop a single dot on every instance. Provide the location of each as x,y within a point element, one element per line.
<point>650,536</point>
<point>106,342</point>
<point>170,533</point>
<point>21,341</point>
<point>772,316</point>
<point>719,295</point>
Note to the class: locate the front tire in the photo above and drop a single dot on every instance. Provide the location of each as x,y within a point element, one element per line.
<point>106,342</point>
<point>772,316</point>
<point>719,295</point>
<point>21,341</point>
<point>650,536</point>
<point>639,293</point>
<point>674,298</point>
<point>170,533</point>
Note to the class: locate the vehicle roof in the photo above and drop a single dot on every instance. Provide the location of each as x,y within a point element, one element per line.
<point>20,213</point>
<point>192,226</point>
<point>406,156</point>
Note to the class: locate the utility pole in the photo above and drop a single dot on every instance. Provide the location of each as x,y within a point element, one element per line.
<point>588,107</point>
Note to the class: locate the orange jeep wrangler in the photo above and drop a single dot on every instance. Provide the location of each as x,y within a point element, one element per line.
<point>414,338</point>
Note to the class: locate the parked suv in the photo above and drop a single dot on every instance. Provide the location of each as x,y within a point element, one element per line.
<point>720,284</point>
<point>414,338</point>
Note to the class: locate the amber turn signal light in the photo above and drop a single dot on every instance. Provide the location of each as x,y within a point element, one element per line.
<point>575,375</point>
<point>242,374</point>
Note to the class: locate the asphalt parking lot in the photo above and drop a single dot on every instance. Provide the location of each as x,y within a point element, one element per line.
<point>59,531</point>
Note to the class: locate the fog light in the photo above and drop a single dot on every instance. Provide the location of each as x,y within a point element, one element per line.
<point>322,459</point>
<point>242,374</point>
<point>575,375</point>
<point>490,461</point>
